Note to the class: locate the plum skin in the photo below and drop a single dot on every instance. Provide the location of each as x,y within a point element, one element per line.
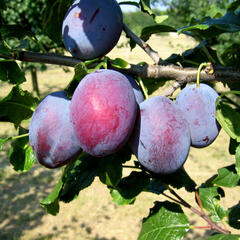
<point>199,108</point>
<point>91,28</point>
<point>136,89</point>
<point>161,138</point>
<point>103,111</point>
<point>51,133</point>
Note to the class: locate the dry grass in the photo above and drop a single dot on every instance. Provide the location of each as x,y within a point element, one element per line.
<point>93,215</point>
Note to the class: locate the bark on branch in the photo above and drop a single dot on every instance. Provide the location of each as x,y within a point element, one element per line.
<point>161,72</point>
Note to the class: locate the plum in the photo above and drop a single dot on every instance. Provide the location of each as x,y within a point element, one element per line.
<point>51,132</point>
<point>91,28</point>
<point>136,89</point>
<point>103,111</point>
<point>161,138</point>
<point>199,108</point>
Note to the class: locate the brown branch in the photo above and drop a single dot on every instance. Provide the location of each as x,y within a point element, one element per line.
<point>168,72</point>
<point>202,215</point>
<point>152,54</point>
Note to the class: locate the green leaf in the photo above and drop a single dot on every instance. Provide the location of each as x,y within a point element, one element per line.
<point>210,201</point>
<point>3,49</point>
<point>233,6</point>
<point>80,71</point>
<point>15,31</point>
<point>145,7</point>
<point>110,170</point>
<point>213,27</point>
<point>119,63</point>
<point>77,176</point>
<point>53,18</point>
<point>227,177</point>
<point>215,12</point>
<point>17,106</point>
<point>228,118</point>
<point>234,216</point>
<point>51,202</point>
<point>224,237</point>
<point>110,167</point>
<point>10,72</point>
<point>21,155</point>
<point>237,157</point>
<point>2,141</point>
<point>130,186</point>
<point>166,221</point>
<point>233,144</point>
<point>153,29</point>
<point>153,84</point>
<point>118,199</point>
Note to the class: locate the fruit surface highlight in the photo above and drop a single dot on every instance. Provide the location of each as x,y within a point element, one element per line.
<point>91,28</point>
<point>161,138</point>
<point>103,111</point>
<point>199,108</point>
<point>51,133</point>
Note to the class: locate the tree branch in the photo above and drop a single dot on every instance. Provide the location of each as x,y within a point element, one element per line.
<point>168,72</point>
<point>153,54</point>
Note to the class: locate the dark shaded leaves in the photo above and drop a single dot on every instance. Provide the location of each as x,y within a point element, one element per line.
<point>77,176</point>
<point>17,106</point>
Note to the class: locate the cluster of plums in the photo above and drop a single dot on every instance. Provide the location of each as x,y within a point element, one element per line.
<point>108,110</point>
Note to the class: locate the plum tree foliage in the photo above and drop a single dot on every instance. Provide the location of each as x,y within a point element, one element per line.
<point>106,111</point>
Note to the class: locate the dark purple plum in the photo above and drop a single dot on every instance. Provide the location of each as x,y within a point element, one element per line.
<point>161,138</point>
<point>51,133</point>
<point>91,28</point>
<point>136,89</point>
<point>103,112</point>
<point>199,108</point>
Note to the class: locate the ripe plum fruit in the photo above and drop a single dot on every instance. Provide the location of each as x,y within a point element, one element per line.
<point>91,28</point>
<point>136,89</point>
<point>161,138</point>
<point>103,111</point>
<point>199,108</point>
<point>51,133</point>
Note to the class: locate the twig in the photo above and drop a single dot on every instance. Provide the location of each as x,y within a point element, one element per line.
<point>202,215</point>
<point>152,54</point>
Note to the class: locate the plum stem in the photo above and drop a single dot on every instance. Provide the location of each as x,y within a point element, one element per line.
<point>202,215</point>
<point>202,65</point>
<point>19,136</point>
<point>143,87</point>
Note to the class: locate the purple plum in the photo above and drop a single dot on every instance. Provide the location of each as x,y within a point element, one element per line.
<point>51,132</point>
<point>103,111</point>
<point>199,108</point>
<point>161,138</point>
<point>136,89</point>
<point>91,28</point>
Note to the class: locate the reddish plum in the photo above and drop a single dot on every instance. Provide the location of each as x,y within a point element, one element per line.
<point>103,112</point>
<point>161,138</point>
<point>91,28</point>
<point>199,108</point>
<point>51,133</point>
